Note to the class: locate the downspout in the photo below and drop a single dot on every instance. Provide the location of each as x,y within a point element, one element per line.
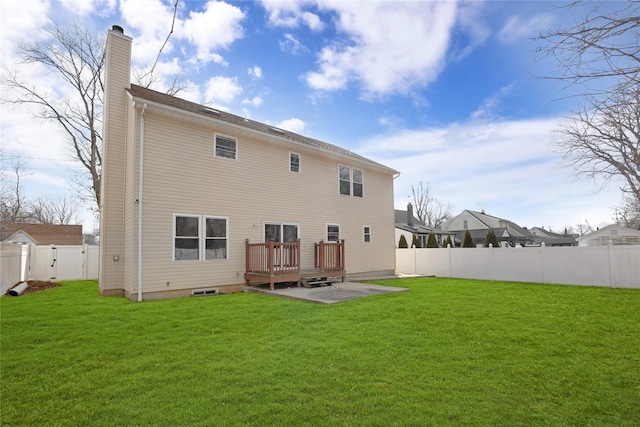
<point>139,200</point>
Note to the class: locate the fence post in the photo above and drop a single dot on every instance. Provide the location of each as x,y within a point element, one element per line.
<point>610,252</point>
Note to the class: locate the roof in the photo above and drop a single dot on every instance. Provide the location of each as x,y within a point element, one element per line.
<point>217,115</point>
<point>44,234</point>
<point>616,234</point>
<point>487,221</point>
<point>417,227</point>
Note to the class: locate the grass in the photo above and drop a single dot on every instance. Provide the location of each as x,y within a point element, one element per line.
<point>449,352</point>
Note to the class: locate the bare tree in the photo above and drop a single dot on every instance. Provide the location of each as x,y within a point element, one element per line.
<point>60,210</point>
<point>76,55</point>
<point>429,210</point>
<point>12,199</point>
<point>603,43</point>
<point>603,139</point>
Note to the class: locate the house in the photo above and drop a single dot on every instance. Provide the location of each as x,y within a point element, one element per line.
<point>478,225</point>
<point>611,234</point>
<point>408,225</point>
<point>540,237</point>
<point>199,200</point>
<point>41,234</point>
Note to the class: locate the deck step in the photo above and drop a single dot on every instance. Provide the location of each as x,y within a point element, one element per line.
<point>312,281</point>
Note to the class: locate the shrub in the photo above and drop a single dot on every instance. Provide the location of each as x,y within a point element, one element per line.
<point>447,242</point>
<point>491,238</point>
<point>468,241</point>
<point>416,243</point>
<point>431,241</point>
<point>402,244</point>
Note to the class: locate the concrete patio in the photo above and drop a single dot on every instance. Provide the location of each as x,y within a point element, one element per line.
<point>337,292</point>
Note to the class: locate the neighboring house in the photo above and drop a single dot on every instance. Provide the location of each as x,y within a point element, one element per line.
<point>408,225</point>
<point>611,234</point>
<point>479,223</point>
<point>189,192</point>
<point>41,234</point>
<point>541,236</point>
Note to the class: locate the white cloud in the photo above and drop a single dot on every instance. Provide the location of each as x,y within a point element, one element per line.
<point>517,28</point>
<point>87,7</point>
<point>293,125</point>
<point>290,14</point>
<point>222,89</point>
<point>291,44</point>
<point>218,26</point>
<point>256,101</point>
<point>508,167</point>
<point>489,106</point>
<point>389,46</point>
<point>19,22</point>
<point>255,72</point>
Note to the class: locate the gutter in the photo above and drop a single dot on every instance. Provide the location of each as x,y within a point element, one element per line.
<point>139,200</point>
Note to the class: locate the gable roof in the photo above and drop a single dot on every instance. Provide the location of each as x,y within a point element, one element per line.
<point>44,234</point>
<point>617,234</point>
<point>486,222</point>
<point>183,105</point>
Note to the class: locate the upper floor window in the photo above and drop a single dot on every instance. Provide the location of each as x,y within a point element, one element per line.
<point>351,179</point>
<point>294,162</point>
<point>225,147</point>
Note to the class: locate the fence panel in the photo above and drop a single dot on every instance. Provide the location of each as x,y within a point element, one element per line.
<point>611,266</point>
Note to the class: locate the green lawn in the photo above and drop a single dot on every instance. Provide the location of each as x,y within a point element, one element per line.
<point>449,352</point>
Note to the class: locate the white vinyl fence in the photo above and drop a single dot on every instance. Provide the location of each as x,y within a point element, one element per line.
<point>41,262</point>
<point>609,266</point>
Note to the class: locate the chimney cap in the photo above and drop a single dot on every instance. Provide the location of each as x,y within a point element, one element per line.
<point>118,28</point>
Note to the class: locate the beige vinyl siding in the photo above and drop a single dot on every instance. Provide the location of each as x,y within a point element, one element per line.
<point>117,76</point>
<point>182,175</point>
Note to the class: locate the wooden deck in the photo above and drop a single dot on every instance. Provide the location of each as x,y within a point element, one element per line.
<point>276,262</point>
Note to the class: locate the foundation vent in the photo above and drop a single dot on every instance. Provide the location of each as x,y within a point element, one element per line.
<point>205,292</point>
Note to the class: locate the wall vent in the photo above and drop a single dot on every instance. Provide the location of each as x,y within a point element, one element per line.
<point>204,292</point>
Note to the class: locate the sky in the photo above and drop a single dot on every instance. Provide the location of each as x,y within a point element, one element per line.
<point>448,93</point>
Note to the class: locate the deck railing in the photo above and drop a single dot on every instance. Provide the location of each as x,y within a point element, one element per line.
<point>329,256</point>
<point>273,258</point>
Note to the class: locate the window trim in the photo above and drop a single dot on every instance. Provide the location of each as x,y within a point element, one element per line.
<point>215,146</point>
<point>205,237</point>
<point>366,234</point>
<point>291,153</point>
<point>173,245</point>
<point>327,232</point>
<point>281,224</point>
<point>352,184</point>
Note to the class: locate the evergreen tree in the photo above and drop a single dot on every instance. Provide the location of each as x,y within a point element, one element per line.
<point>402,244</point>
<point>447,242</point>
<point>416,243</point>
<point>491,238</point>
<point>468,241</point>
<point>431,241</point>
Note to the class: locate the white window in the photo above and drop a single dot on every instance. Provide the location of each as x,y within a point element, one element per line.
<point>345,180</point>
<point>333,232</point>
<point>215,240</point>
<point>225,147</point>
<point>280,232</point>
<point>357,183</point>
<point>294,162</point>
<point>367,233</point>
<point>186,233</point>
<point>198,237</point>
<point>351,178</point>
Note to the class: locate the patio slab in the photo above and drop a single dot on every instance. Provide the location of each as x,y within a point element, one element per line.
<point>337,292</point>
